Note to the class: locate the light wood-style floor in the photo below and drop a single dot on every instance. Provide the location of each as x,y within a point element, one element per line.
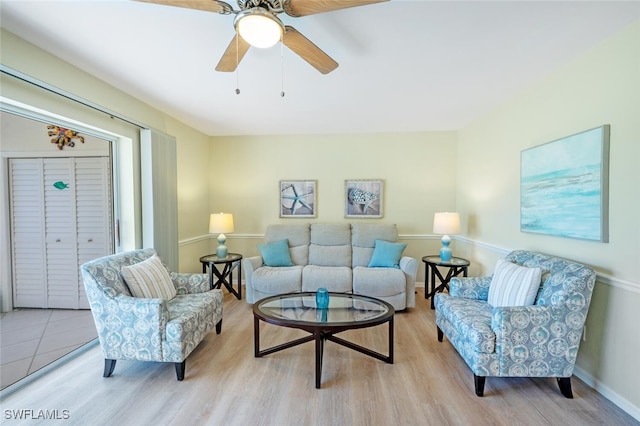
<point>225,385</point>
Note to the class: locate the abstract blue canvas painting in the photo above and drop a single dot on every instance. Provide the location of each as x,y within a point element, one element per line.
<point>564,186</point>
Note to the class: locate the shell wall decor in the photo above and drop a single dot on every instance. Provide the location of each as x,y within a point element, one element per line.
<point>62,136</point>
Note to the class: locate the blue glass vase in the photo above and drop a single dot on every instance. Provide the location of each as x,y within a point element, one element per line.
<point>322,298</point>
<point>321,315</point>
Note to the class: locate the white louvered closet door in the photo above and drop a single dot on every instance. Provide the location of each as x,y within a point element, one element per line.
<point>60,226</point>
<point>74,212</point>
<point>93,215</point>
<point>27,233</point>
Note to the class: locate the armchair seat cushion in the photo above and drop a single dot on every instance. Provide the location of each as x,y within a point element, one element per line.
<point>191,317</point>
<point>471,320</point>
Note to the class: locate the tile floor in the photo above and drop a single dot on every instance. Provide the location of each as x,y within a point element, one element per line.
<point>32,338</point>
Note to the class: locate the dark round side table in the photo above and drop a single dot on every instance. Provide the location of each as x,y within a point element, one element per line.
<point>229,262</point>
<point>456,266</point>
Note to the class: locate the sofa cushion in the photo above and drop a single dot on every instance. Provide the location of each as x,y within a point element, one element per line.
<point>276,253</point>
<point>330,244</point>
<point>363,240</point>
<point>330,234</point>
<point>366,234</point>
<point>276,280</point>
<point>378,282</point>
<point>513,285</point>
<point>299,255</point>
<point>471,319</point>
<point>361,256</point>
<point>330,255</point>
<point>333,278</point>
<point>149,279</point>
<point>386,254</point>
<point>298,236</point>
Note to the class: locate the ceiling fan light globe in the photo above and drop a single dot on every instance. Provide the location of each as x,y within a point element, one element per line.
<point>259,28</point>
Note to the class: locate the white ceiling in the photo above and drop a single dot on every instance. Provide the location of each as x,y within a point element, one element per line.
<point>404,65</point>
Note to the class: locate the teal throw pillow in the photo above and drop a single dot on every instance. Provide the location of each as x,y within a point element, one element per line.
<point>386,254</point>
<point>276,253</point>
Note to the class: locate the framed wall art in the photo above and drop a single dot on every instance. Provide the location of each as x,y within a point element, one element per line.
<point>297,198</point>
<point>363,198</point>
<point>564,187</point>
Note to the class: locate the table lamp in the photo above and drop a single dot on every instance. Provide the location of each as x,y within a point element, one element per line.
<point>445,224</point>
<point>219,223</point>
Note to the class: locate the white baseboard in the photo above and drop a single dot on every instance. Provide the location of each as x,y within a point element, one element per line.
<point>607,392</point>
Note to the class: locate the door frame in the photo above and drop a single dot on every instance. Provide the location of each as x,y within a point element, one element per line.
<point>125,208</point>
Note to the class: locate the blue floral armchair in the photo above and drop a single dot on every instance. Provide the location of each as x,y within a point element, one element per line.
<point>149,329</point>
<point>541,340</point>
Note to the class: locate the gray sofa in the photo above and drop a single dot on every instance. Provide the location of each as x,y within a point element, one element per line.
<point>334,256</point>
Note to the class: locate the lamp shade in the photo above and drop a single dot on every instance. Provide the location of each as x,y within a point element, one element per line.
<point>220,223</point>
<point>258,27</point>
<point>446,223</point>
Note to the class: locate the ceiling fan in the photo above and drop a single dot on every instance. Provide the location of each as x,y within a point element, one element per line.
<point>257,24</point>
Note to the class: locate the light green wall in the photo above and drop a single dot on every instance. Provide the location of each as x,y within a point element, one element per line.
<point>19,135</point>
<point>600,87</point>
<point>193,150</point>
<point>418,170</point>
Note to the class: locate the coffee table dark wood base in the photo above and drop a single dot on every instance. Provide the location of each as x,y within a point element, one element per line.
<point>320,335</point>
<point>345,312</point>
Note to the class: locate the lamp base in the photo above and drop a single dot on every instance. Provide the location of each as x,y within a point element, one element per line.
<point>221,250</point>
<point>445,251</point>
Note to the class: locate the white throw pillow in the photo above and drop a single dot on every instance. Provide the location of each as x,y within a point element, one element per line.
<point>513,285</point>
<point>149,279</point>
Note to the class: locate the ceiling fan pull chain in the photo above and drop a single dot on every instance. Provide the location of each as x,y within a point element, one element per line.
<point>282,66</point>
<point>237,71</point>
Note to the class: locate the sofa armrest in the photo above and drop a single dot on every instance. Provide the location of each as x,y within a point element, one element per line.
<point>190,283</point>
<point>409,266</point>
<point>475,288</point>
<point>117,322</point>
<point>548,334</point>
<point>249,265</point>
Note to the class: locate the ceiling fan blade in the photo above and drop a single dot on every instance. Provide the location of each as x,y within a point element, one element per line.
<point>308,51</point>
<point>233,55</point>
<point>310,7</point>
<point>206,5</point>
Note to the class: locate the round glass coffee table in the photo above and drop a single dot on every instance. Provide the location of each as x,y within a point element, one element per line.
<point>346,312</point>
